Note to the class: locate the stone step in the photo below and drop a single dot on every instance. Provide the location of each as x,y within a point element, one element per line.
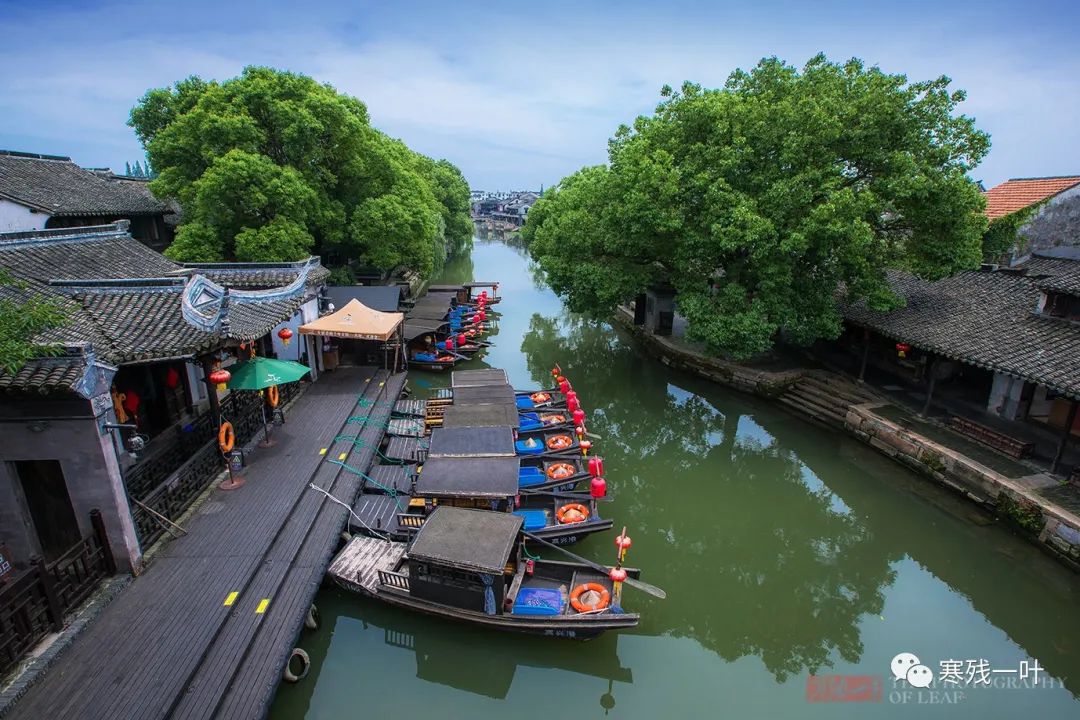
<point>823,395</point>
<point>839,388</point>
<point>860,393</point>
<point>806,406</point>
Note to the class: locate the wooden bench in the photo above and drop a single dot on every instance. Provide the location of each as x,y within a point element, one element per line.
<point>994,438</point>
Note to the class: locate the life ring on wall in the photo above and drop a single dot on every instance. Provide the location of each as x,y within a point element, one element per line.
<point>305,664</point>
<point>540,397</point>
<point>559,442</point>
<point>572,513</point>
<point>226,438</point>
<point>599,603</point>
<point>552,419</point>
<point>560,471</point>
<point>273,396</point>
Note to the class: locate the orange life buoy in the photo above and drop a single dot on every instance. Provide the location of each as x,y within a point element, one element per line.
<point>446,358</point>
<point>560,471</point>
<point>540,397</point>
<point>552,419</point>
<point>559,442</point>
<point>273,396</point>
<point>599,604</point>
<point>580,514</point>
<point>226,438</point>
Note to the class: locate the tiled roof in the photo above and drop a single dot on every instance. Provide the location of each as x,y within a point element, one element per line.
<point>126,301</point>
<point>1066,282</point>
<point>258,275</point>
<point>1018,193</point>
<point>58,186</point>
<point>985,319</point>
<point>48,376</point>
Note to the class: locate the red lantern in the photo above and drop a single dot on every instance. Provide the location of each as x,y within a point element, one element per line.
<point>286,335</point>
<point>579,416</point>
<point>596,466</point>
<point>461,339</point>
<point>450,343</point>
<point>555,372</point>
<point>623,543</point>
<point>902,349</point>
<point>598,487</point>
<point>572,404</point>
<point>172,378</point>
<point>564,386</point>
<point>572,395</point>
<point>482,315</point>
<point>220,377</point>
<point>617,575</point>
<point>586,445</point>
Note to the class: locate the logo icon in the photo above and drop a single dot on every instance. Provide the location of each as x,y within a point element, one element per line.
<point>907,667</point>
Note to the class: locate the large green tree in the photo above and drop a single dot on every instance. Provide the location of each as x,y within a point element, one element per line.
<point>760,201</point>
<point>273,166</point>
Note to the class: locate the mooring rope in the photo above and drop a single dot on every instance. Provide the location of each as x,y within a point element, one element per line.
<point>364,525</point>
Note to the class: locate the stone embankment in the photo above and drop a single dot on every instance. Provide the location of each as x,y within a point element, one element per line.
<point>837,402</point>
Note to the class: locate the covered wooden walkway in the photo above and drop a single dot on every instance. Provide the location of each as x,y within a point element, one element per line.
<point>207,629</point>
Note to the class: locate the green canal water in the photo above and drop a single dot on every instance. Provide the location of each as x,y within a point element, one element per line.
<point>786,550</point>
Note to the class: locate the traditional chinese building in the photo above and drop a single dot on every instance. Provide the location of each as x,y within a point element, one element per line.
<point>42,192</point>
<point>997,344</point>
<point>141,336</point>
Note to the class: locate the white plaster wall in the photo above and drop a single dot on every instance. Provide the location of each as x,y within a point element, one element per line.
<point>299,343</point>
<point>15,217</point>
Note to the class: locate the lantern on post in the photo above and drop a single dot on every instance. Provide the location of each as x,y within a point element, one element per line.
<point>623,543</point>
<point>598,487</point>
<point>450,342</point>
<point>596,466</point>
<point>572,404</point>
<point>902,349</point>
<point>617,577</point>
<point>586,445</point>
<point>564,386</point>
<point>461,339</point>
<point>286,336</point>
<point>220,377</point>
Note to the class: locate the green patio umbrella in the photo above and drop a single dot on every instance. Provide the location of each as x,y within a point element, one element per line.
<point>260,373</point>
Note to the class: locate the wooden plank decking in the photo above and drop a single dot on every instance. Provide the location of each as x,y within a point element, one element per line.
<point>359,563</point>
<point>173,644</point>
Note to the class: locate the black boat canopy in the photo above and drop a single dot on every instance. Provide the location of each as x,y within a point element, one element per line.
<point>413,329</point>
<point>427,314</point>
<point>474,378</point>
<point>469,477</point>
<point>472,442</point>
<point>484,395</point>
<point>477,540</point>
<point>456,416</point>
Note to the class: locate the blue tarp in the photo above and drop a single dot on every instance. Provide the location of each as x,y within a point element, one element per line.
<point>538,601</point>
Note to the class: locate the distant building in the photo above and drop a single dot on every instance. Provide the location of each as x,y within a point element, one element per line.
<point>44,192</point>
<point>1054,228</point>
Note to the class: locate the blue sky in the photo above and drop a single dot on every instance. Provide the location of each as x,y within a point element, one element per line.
<point>520,94</point>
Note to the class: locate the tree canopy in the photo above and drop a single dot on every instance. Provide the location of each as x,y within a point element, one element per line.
<point>762,200</point>
<point>272,166</point>
<point>23,317</point>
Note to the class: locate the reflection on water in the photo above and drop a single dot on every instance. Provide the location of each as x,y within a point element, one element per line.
<point>785,550</point>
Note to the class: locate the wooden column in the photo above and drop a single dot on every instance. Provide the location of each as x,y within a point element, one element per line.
<point>103,538</point>
<point>211,389</point>
<point>865,353</point>
<point>1065,435</point>
<point>930,386</point>
<point>56,611</point>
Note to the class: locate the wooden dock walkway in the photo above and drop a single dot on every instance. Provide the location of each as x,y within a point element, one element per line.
<point>207,629</point>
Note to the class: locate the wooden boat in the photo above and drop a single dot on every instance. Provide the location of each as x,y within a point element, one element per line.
<point>539,400</point>
<point>553,442</point>
<point>468,565</point>
<point>441,361</point>
<point>544,420</point>
<point>407,498</point>
<point>543,472</point>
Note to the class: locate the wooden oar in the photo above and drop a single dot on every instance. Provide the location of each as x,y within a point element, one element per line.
<point>637,584</point>
<point>580,495</point>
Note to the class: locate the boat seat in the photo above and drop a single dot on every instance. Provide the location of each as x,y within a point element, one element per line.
<point>524,448</point>
<point>534,519</point>
<point>530,477</point>
<point>524,402</point>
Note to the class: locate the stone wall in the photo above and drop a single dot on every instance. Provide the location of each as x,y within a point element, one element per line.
<point>674,354</point>
<point>1057,530</point>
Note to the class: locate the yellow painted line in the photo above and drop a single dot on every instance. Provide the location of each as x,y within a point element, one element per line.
<point>231,598</point>
<point>342,456</point>
<point>323,451</point>
<point>263,604</point>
